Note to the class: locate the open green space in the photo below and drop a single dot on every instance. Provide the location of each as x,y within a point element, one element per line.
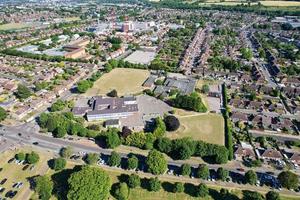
<point>13,26</point>
<point>205,127</point>
<point>125,81</point>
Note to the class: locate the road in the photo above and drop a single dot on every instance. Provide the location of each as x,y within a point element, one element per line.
<point>29,134</point>
<point>26,134</point>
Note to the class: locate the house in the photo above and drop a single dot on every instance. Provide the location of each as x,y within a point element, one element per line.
<point>244,150</point>
<point>239,117</point>
<point>270,154</point>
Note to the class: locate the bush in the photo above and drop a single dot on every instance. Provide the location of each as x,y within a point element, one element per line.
<point>20,156</point>
<point>132,162</point>
<point>185,170</point>
<point>272,195</point>
<point>222,174</point>
<point>112,93</point>
<point>3,114</point>
<point>202,190</point>
<point>203,171</point>
<point>163,145</point>
<point>172,123</point>
<point>178,187</point>
<point>288,180</point>
<point>66,152</point>
<point>154,184</point>
<point>114,159</point>
<point>121,191</point>
<point>92,158</point>
<point>134,181</point>
<point>59,164</point>
<point>112,139</point>
<point>32,158</point>
<point>251,177</point>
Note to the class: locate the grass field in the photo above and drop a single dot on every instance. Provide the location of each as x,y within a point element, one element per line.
<point>280,3</point>
<point>125,81</point>
<point>206,127</point>
<point>14,173</point>
<point>13,26</point>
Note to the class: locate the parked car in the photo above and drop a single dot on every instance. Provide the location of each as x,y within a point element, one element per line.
<point>3,181</point>
<point>11,194</point>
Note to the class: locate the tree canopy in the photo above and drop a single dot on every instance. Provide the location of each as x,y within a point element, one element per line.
<point>89,183</point>
<point>288,179</point>
<point>43,185</point>
<point>3,114</point>
<point>156,162</point>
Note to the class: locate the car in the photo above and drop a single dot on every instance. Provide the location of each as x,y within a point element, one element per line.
<point>11,194</point>
<point>35,143</point>
<point>25,167</point>
<point>32,167</point>
<point>19,134</point>
<point>20,184</point>
<point>3,181</point>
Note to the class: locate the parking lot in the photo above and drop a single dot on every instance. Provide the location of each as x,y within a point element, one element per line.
<point>14,175</point>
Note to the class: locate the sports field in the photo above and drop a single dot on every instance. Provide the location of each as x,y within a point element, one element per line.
<point>280,3</point>
<point>125,81</point>
<point>205,127</point>
<point>13,26</point>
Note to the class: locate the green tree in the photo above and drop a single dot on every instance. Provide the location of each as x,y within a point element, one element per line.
<point>134,181</point>
<point>252,195</point>
<point>156,162</point>
<point>132,162</point>
<point>202,171</point>
<point>251,177</point>
<point>43,186</point>
<point>114,159</point>
<point>272,195</point>
<point>202,190</point>
<point>160,128</point>
<point>205,89</point>
<point>222,173</point>
<point>163,145</point>
<point>83,86</point>
<point>59,105</point>
<point>32,158</point>
<point>60,132</point>
<point>178,187</point>
<point>288,180</point>
<point>66,152</point>
<point>92,158</point>
<point>89,183</point>
<point>121,191</point>
<point>112,139</point>
<point>3,114</point>
<point>23,92</point>
<point>185,170</point>
<point>20,156</point>
<point>154,184</point>
<point>59,164</point>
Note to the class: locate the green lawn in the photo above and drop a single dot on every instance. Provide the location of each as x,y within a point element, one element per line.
<point>125,81</point>
<point>206,127</point>
<point>13,26</point>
